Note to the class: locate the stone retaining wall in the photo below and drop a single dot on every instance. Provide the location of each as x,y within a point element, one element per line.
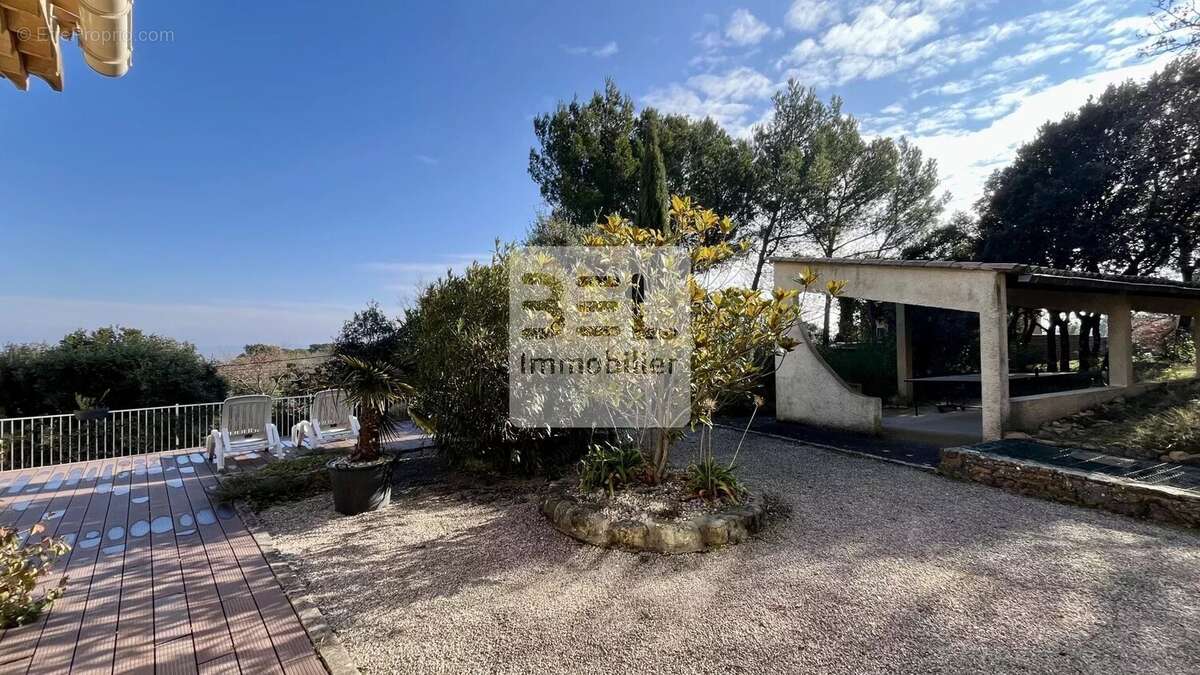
<point>585,523</point>
<point>1070,486</point>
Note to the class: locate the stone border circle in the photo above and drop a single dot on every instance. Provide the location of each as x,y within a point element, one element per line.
<point>732,525</point>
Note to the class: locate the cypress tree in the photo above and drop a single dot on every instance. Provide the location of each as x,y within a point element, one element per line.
<point>653,201</point>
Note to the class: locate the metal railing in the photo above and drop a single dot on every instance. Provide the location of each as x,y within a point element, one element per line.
<point>45,440</point>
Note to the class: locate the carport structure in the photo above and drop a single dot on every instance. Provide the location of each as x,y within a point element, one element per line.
<point>808,390</point>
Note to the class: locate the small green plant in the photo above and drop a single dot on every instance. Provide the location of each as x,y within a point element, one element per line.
<point>21,566</point>
<point>280,481</point>
<point>1173,430</point>
<point>711,480</point>
<point>90,402</point>
<point>607,465</point>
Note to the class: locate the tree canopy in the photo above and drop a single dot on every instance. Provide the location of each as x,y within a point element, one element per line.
<point>117,367</point>
<point>1113,187</point>
<point>589,157</point>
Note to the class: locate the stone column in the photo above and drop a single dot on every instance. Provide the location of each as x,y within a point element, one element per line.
<point>904,354</point>
<point>1120,343</point>
<point>993,361</point>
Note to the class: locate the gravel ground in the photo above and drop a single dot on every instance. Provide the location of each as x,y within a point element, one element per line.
<point>879,568</point>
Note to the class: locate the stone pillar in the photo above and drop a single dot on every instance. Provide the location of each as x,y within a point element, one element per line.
<point>993,362</point>
<point>904,355</point>
<point>1120,343</point>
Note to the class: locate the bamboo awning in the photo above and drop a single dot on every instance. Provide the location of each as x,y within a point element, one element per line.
<point>30,31</point>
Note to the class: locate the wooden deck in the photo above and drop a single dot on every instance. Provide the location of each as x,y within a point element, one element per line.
<point>160,579</point>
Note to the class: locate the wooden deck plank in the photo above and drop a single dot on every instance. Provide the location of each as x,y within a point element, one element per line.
<point>175,657</point>
<point>288,635</point>
<point>67,526</point>
<point>169,597</point>
<point>210,630</point>
<point>226,665</point>
<point>308,664</point>
<point>135,620</point>
<point>251,637</point>
<point>97,637</point>
<point>20,642</point>
<point>182,588</point>
<point>56,645</point>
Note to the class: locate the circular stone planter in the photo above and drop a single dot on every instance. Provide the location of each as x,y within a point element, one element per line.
<point>731,525</point>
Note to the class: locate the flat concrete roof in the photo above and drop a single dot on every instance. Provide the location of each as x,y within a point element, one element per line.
<point>1032,276</point>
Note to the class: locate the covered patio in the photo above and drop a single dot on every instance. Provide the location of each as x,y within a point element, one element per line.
<point>809,391</point>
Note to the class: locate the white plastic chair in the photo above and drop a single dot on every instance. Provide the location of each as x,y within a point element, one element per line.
<point>246,429</point>
<point>329,419</point>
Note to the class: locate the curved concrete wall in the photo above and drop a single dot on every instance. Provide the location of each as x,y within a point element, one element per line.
<point>807,390</point>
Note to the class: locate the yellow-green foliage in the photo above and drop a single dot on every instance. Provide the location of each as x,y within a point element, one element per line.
<point>21,566</point>
<point>729,326</point>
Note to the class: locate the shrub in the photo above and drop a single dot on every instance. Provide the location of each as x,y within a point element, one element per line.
<point>711,480</point>
<point>869,364</point>
<point>606,465</point>
<point>21,567</point>
<point>459,333</point>
<point>279,481</point>
<point>374,389</point>
<point>137,369</point>
<point>1175,429</point>
<point>731,327</point>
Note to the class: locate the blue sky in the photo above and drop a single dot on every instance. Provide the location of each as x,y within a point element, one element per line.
<point>260,173</point>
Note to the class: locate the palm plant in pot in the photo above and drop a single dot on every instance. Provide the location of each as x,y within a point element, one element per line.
<point>362,480</point>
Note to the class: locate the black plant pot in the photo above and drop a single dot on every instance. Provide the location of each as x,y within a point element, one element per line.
<point>91,414</point>
<point>358,488</point>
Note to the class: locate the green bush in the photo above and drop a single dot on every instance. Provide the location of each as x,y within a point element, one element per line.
<point>135,368</point>
<point>21,567</point>
<point>609,466</point>
<point>459,333</point>
<point>869,364</point>
<point>711,480</point>
<point>1173,430</point>
<point>279,481</point>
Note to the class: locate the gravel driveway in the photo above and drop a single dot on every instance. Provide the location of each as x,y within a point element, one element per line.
<point>880,568</point>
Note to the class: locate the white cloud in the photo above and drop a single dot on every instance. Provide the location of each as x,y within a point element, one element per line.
<point>606,51</point>
<point>680,100</point>
<point>746,29</point>
<point>1033,54</point>
<point>723,97</point>
<point>809,15</point>
<point>966,158</point>
<point>738,84</point>
<point>879,30</point>
<point>425,159</point>
<point>408,276</point>
<point>886,38</point>
<point>602,52</point>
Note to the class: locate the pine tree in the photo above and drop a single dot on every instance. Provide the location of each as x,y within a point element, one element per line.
<point>653,200</point>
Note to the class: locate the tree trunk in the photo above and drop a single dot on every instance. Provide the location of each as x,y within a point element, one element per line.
<point>1089,325</point>
<point>847,331</point>
<point>764,244</point>
<point>825,327</point>
<point>1052,346</point>
<point>1064,346</point>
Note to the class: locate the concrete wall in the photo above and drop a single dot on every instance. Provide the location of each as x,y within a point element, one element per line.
<point>807,390</point>
<point>962,289</point>
<point>1027,413</point>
